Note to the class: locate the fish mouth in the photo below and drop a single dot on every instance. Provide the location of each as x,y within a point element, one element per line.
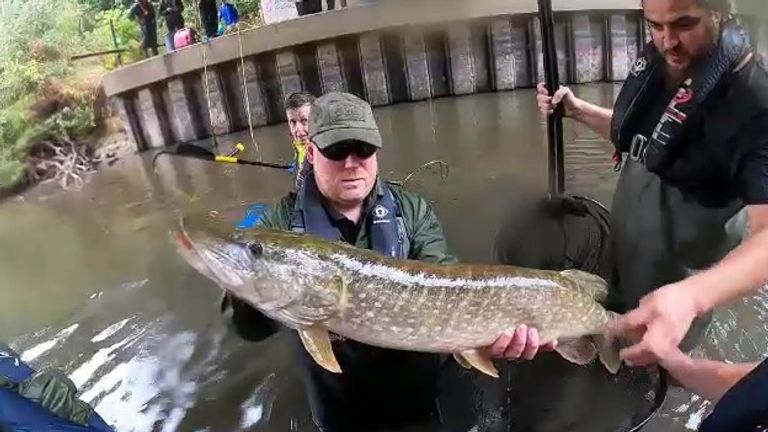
<point>199,259</point>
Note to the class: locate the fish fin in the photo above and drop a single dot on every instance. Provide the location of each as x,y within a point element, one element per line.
<point>592,284</point>
<point>580,351</point>
<point>343,292</point>
<point>608,352</point>
<point>462,361</point>
<point>317,342</point>
<point>480,361</point>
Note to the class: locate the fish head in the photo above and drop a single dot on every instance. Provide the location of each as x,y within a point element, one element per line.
<point>271,270</point>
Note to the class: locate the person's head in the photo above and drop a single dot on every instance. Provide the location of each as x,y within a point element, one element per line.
<point>297,107</point>
<point>344,139</point>
<point>685,30</point>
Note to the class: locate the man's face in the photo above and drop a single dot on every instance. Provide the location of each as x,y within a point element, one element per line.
<point>682,30</point>
<point>298,121</point>
<point>347,181</point>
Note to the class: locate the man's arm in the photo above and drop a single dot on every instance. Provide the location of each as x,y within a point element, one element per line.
<point>666,314</point>
<point>593,116</point>
<point>742,271</point>
<point>428,241</point>
<point>706,378</point>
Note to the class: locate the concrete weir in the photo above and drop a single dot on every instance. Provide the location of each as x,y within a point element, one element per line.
<point>389,52</point>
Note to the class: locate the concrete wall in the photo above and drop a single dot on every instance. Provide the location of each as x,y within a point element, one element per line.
<point>388,52</point>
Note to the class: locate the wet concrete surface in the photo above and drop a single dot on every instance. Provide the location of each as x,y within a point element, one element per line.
<point>92,284</point>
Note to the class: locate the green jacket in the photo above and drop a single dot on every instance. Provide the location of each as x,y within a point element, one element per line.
<point>425,238</point>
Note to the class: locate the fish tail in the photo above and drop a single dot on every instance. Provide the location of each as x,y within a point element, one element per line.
<point>608,352</point>
<point>608,349</point>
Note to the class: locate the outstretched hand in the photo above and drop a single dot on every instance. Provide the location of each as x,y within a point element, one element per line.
<point>662,318</point>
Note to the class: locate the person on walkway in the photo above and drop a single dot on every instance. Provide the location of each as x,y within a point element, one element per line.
<point>209,16</point>
<point>172,10</point>
<point>228,16</point>
<point>144,13</point>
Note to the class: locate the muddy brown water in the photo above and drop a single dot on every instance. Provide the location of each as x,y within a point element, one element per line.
<point>91,283</point>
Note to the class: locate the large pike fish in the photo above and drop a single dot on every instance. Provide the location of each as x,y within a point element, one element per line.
<point>315,287</point>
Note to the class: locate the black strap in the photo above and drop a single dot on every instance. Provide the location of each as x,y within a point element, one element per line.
<point>384,220</point>
<point>732,50</point>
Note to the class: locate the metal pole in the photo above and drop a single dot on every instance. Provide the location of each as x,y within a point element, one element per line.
<point>554,121</point>
<point>114,41</point>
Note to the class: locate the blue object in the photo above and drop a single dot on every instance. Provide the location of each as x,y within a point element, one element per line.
<point>228,14</point>
<point>252,216</point>
<point>292,168</point>
<point>743,408</point>
<point>19,414</point>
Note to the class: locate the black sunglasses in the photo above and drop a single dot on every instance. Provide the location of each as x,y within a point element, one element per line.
<point>340,151</point>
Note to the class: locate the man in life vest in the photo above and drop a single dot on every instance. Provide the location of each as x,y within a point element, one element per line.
<point>690,128</point>
<point>344,198</point>
<point>297,107</point>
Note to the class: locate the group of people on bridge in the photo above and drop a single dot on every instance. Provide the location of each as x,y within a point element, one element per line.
<point>215,20</point>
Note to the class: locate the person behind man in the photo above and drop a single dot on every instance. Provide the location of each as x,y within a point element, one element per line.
<point>297,106</point>
<point>228,15</point>
<point>144,13</point>
<point>172,11</point>
<point>696,156</point>
<point>209,17</point>
<point>344,198</point>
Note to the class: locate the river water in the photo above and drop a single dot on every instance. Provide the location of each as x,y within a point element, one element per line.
<point>92,284</point>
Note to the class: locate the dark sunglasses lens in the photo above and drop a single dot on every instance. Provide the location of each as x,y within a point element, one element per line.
<point>335,152</point>
<point>365,151</point>
<point>339,152</point>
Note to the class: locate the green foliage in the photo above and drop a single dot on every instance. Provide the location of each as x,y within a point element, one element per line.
<point>127,35</point>
<point>13,124</point>
<point>44,33</point>
<point>75,120</point>
<point>248,9</point>
<point>35,52</point>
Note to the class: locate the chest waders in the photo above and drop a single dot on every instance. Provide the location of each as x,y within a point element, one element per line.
<point>660,234</point>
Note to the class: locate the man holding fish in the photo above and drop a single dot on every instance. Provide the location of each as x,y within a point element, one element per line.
<point>344,199</point>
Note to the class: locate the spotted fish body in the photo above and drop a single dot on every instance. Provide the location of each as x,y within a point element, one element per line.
<point>315,286</point>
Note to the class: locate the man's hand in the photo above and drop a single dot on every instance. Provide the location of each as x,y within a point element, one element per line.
<point>521,343</point>
<point>662,318</point>
<point>548,103</point>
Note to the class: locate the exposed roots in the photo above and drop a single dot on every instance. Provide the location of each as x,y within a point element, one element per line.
<point>59,160</point>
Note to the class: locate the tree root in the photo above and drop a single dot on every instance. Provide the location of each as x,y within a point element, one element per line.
<point>59,160</point>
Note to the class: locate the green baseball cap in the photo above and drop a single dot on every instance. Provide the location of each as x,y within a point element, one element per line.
<point>337,117</point>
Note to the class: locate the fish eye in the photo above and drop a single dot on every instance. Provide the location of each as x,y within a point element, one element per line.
<point>256,249</point>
